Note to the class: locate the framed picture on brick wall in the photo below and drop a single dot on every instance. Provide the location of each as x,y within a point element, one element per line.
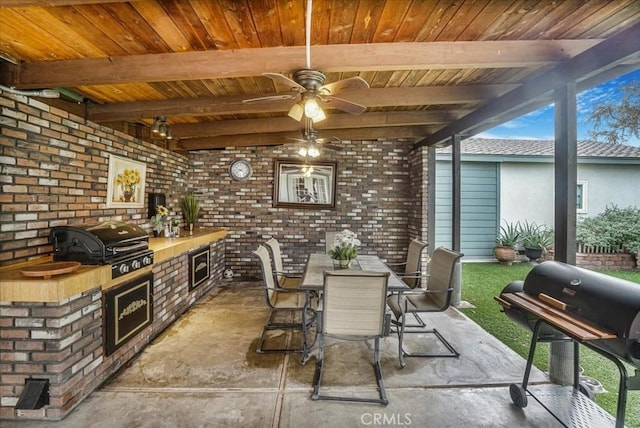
<point>299,184</point>
<point>125,188</point>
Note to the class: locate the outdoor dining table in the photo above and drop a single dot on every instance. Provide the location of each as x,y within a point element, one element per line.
<point>317,264</point>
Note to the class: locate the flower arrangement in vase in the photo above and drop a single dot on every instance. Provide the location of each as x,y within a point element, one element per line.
<point>158,220</point>
<point>345,248</point>
<point>127,180</point>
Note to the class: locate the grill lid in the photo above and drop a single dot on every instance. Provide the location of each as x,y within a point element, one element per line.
<point>97,243</point>
<point>116,233</point>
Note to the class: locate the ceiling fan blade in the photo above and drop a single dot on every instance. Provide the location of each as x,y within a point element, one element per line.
<point>344,105</point>
<point>356,82</point>
<point>329,139</point>
<point>332,147</point>
<point>285,81</point>
<point>270,98</point>
<point>297,140</point>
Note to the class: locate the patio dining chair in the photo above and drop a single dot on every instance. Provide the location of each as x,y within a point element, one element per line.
<point>284,279</point>
<point>435,298</point>
<point>410,271</point>
<point>283,303</point>
<point>353,308</point>
<point>329,240</point>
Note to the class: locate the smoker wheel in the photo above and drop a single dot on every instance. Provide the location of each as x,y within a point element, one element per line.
<point>518,395</point>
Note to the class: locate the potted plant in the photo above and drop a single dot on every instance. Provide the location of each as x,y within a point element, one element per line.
<point>505,250</point>
<point>345,248</point>
<point>190,209</point>
<point>535,239</point>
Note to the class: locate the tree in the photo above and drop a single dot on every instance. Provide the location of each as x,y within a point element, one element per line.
<point>617,123</point>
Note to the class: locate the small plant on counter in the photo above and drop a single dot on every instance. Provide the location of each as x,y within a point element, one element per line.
<point>190,208</point>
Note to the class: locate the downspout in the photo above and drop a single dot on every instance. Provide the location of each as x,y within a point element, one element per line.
<point>43,93</point>
<point>46,93</point>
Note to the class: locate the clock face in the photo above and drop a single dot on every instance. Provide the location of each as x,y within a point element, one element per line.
<point>240,170</point>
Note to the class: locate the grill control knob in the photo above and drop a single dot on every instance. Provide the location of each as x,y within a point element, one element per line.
<point>124,268</point>
<point>135,264</point>
<point>146,260</point>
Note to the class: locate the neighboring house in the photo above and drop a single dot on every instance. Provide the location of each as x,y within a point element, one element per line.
<point>513,180</point>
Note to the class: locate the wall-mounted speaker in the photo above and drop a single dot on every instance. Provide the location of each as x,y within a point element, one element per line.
<point>156,199</point>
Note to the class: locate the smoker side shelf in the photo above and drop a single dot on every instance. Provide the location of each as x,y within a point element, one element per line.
<point>571,407</point>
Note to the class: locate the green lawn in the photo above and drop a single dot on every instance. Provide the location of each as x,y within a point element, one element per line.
<point>482,281</point>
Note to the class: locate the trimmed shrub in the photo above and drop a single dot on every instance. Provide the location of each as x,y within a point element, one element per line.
<point>613,227</point>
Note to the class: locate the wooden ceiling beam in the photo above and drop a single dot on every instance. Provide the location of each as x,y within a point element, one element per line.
<point>279,138</point>
<point>333,122</point>
<point>607,55</point>
<point>373,97</point>
<point>211,64</point>
<point>51,3</point>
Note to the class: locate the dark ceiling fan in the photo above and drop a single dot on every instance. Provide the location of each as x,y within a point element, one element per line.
<point>310,144</point>
<point>311,91</point>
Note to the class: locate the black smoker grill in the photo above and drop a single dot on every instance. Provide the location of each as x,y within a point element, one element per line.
<point>558,301</point>
<point>123,246</point>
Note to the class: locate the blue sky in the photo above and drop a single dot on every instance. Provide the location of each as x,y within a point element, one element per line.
<point>539,124</point>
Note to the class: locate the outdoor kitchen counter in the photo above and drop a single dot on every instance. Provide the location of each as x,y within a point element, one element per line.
<point>167,248</point>
<point>15,287</point>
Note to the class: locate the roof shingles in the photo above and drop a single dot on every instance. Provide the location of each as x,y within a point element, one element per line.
<point>485,146</point>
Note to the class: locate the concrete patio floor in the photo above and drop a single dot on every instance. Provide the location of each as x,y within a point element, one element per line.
<point>204,371</point>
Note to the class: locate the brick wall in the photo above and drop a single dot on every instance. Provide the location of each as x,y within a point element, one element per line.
<point>62,342</point>
<point>376,190</point>
<point>602,260</point>
<point>54,172</point>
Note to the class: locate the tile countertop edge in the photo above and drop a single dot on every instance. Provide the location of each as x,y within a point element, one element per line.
<point>14,287</point>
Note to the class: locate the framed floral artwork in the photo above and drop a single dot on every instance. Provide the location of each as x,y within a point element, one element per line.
<point>125,188</point>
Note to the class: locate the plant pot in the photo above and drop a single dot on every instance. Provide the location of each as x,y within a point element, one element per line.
<point>342,264</point>
<point>506,255</point>
<point>533,253</point>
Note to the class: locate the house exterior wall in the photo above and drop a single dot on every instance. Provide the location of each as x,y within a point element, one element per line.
<point>526,192</point>
<point>527,189</point>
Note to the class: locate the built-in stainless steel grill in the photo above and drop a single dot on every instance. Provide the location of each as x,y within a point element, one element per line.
<point>558,301</point>
<point>123,246</point>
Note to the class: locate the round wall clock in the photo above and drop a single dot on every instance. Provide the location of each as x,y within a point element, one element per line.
<point>240,170</point>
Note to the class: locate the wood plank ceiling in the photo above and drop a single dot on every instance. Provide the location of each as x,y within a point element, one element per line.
<point>434,67</point>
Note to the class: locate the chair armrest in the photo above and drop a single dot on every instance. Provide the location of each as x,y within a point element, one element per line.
<point>289,275</point>
<point>396,264</point>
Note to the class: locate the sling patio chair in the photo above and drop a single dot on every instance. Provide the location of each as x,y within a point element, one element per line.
<point>329,240</point>
<point>283,303</point>
<point>435,298</point>
<point>353,308</point>
<point>284,279</point>
<point>410,271</point>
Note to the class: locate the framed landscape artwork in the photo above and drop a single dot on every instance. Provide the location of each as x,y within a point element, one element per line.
<point>125,188</point>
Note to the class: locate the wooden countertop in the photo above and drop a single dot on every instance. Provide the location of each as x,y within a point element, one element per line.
<point>15,287</point>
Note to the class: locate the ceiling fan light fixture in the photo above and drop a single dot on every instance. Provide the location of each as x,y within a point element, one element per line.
<point>313,151</point>
<point>296,112</point>
<point>303,151</point>
<point>312,108</point>
<point>319,117</point>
